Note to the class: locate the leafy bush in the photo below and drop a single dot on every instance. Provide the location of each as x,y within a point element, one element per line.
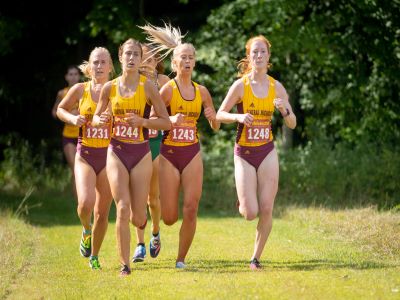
<point>338,175</point>
<point>25,166</point>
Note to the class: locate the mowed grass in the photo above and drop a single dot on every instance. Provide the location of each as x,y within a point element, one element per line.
<point>312,253</point>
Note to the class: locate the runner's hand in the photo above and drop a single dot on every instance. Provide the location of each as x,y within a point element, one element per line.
<point>133,119</point>
<point>246,119</point>
<point>210,114</point>
<point>177,119</point>
<point>78,120</point>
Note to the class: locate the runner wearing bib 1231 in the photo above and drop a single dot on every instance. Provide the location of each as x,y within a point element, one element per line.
<point>93,141</point>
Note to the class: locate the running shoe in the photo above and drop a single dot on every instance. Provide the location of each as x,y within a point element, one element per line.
<point>140,254</point>
<point>255,264</point>
<point>85,246</point>
<point>94,263</point>
<point>155,245</point>
<point>180,265</point>
<point>125,270</point>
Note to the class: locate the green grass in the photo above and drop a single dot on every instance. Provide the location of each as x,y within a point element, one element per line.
<point>312,253</point>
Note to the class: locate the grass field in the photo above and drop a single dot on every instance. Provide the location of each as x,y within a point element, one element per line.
<point>313,253</point>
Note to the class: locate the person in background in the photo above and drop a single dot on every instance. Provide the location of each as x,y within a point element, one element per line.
<point>70,132</point>
<point>153,68</point>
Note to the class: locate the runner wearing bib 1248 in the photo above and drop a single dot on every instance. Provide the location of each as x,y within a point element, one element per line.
<point>255,142</point>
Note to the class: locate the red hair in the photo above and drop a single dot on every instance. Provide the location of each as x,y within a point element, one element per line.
<point>244,64</point>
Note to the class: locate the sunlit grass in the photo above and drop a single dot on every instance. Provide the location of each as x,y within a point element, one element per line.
<point>312,253</point>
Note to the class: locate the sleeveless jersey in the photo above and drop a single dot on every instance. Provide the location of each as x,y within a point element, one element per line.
<point>137,103</point>
<point>260,132</point>
<point>92,136</point>
<point>186,133</point>
<point>70,131</point>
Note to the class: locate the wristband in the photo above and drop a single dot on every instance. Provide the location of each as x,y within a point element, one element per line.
<point>287,113</point>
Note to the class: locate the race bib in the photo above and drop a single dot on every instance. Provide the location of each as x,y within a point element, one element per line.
<point>96,132</point>
<point>153,133</point>
<point>123,131</point>
<point>258,132</point>
<point>185,132</point>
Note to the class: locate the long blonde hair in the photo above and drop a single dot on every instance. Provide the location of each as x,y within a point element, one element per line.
<point>244,65</point>
<point>85,66</point>
<point>165,39</point>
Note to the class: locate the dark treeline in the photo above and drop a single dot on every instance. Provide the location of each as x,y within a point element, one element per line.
<point>40,40</point>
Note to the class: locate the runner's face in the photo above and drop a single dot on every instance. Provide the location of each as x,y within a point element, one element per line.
<point>72,76</point>
<point>184,60</point>
<point>131,58</point>
<point>100,65</point>
<point>149,60</point>
<point>259,55</point>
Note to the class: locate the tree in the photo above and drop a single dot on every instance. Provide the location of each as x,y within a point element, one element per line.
<point>339,60</point>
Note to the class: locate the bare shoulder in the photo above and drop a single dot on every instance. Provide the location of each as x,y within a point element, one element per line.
<point>166,88</point>
<point>163,79</point>
<point>237,85</point>
<point>77,89</point>
<point>61,93</point>
<point>166,93</point>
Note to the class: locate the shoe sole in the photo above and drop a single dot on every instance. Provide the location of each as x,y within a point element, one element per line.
<point>135,260</point>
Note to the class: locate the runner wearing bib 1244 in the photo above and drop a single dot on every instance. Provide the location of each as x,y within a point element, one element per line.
<point>130,144</point>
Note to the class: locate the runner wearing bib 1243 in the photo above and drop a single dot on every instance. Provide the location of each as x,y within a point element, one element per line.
<point>181,143</point>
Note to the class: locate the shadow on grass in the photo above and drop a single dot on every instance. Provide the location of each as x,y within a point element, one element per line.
<point>51,208</point>
<point>242,266</point>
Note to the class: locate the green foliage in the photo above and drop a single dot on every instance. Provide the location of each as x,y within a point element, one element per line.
<point>115,20</point>
<point>10,30</point>
<point>25,167</point>
<point>339,60</point>
<point>336,175</point>
<point>219,192</point>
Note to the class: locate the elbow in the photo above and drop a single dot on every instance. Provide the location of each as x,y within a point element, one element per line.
<point>57,114</point>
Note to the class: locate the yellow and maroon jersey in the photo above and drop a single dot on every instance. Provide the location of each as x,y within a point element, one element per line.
<point>70,131</point>
<point>260,132</point>
<point>92,136</point>
<point>186,133</point>
<point>137,104</point>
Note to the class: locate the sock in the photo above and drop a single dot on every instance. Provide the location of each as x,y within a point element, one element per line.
<point>156,234</point>
<point>140,244</point>
<point>87,232</point>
